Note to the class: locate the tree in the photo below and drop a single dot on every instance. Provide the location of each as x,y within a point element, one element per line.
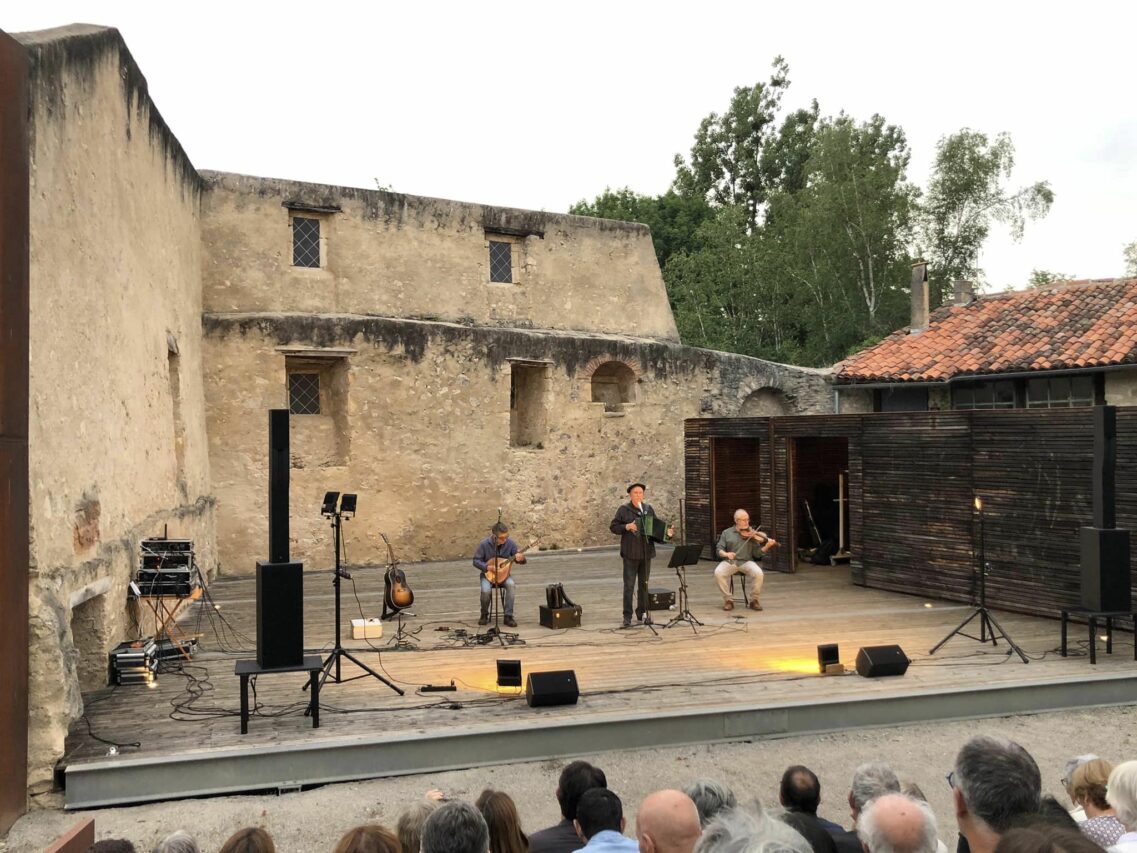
<point>674,219</point>
<point>725,165</point>
<point>1041,278</point>
<point>966,194</point>
<point>1130,255</point>
<point>841,242</point>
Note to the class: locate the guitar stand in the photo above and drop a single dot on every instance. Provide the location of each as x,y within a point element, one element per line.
<point>404,640</point>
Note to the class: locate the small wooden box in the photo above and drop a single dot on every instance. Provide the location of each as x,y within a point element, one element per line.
<point>366,629</point>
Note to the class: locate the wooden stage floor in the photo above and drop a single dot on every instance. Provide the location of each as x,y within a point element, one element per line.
<point>737,660</point>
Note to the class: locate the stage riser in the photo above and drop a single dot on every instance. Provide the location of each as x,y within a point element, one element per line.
<point>123,780</point>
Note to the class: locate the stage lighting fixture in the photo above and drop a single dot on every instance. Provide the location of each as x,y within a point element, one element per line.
<point>329,507</point>
<point>827,654</point>
<point>347,504</point>
<point>509,673</point>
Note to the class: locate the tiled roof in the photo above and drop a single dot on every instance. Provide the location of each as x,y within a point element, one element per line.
<point>1071,324</point>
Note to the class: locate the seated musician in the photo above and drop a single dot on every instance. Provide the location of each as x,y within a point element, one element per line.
<point>740,548</point>
<point>494,549</point>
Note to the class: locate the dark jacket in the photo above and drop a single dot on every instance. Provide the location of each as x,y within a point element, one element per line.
<point>811,830</point>
<point>633,546</point>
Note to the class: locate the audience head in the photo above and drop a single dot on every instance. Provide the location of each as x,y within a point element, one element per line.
<point>870,781</point>
<point>112,845</point>
<point>504,824</point>
<point>1086,785</point>
<point>994,780</point>
<point>370,838</point>
<point>912,790</point>
<point>896,823</point>
<point>1072,765</point>
<point>1122,793</point>
<point>576,778</point>
<point>800,789</point>
<point>251,839</point>
<point>598,810</point>
<point>177,842</point>
<point>409,826</point>
<point>667,822</point>
<point>1043,839</point>
<point>455,827</point>
<point>738,831</point>
<point>710,798</point>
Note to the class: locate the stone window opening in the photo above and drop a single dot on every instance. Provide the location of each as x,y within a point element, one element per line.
<point>173,363</point>
<point>504,258</point>
<point>528,412</point>
<point>90,636</point>
<point>614,385</point>
<point>764,403</point>
<point>317,387</point>
<point>306,242</point>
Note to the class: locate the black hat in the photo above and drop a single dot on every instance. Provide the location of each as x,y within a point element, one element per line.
<point>633,485</point>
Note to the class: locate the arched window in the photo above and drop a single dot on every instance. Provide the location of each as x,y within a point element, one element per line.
<point>764,403</point>
<point>613,384</point>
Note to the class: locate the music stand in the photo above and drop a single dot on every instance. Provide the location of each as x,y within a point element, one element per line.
<point>682,557</point>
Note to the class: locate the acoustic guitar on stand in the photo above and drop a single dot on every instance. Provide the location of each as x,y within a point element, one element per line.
<point>398,592</point>
<point>498,568</point>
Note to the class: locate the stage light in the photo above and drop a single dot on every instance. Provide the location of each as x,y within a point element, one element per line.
<point>329,506</point>
<point>827,654</point>
<point>509,673</point>
<point>978,504</point>
<point>347,504</point>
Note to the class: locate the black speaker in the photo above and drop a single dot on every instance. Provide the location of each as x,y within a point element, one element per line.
<point>551,688</point>
<point>827,654</point>
<point>280,614</point>
<point>278,465</point>
<point>875,661</point>
<point>1105,570</point>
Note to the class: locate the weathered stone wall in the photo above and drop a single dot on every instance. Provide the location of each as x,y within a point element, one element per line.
<point>1121,387</point>
<point>424,412</point>
<point>117,434</point>
<point>407,256</point>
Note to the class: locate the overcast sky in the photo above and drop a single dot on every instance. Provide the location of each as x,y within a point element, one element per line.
<point>537,105</point>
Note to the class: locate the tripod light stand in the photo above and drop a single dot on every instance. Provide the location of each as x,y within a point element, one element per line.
<point>989,628</point>
<point>337,515</point>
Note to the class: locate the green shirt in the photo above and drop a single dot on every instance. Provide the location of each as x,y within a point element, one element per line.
<point>743,549</point>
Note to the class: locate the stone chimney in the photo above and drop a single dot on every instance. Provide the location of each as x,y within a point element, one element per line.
<point>919,320</point>
<point>964,292</point>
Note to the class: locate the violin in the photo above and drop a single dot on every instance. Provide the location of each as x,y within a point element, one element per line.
<point>397,592</point>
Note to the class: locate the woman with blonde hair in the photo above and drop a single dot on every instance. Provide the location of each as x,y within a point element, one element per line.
<point>501,816</point>
<point>1087,789</point>
<point>370,838</point>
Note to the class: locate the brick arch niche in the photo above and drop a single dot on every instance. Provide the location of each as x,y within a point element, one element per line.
<point>614,385</point>
<point>764,403</point>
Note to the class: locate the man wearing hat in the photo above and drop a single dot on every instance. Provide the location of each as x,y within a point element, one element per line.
<point>637,549</point>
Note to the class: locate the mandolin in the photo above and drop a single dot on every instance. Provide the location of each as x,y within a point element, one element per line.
<point>498,568</point>
<point>397,591</point>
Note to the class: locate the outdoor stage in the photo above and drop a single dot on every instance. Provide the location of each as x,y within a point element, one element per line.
<point>744,675</point>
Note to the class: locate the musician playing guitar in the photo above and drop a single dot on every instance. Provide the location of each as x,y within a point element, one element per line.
<point>497,549</point>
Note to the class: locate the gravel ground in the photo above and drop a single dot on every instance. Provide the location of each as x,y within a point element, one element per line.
<point>314,820</point>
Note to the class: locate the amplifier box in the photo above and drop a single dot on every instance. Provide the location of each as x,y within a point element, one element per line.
<point>560,617</point>
<point>366,629</point>
<point>659,598</point>
<point>133,663</point>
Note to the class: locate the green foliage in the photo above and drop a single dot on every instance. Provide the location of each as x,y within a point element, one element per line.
<point>674,219</point>
<point>1130,255</point>
<point>1041,278</point>
<point>966,194</point>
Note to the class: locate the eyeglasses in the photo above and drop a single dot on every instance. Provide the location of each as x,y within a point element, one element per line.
<point>950,779</point>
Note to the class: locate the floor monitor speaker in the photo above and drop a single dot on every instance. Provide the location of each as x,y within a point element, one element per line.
<point>551,688</point>
<point>875,661</point>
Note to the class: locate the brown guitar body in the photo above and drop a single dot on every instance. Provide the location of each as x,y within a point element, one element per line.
<point>401,595</point>
<point>497,570</point>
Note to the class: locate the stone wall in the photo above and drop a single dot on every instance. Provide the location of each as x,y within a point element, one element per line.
<point>419,425</point>
<point>117,437</point>
<point>406,256</point>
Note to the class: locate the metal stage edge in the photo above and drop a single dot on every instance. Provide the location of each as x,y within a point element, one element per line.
<point>538,735</point>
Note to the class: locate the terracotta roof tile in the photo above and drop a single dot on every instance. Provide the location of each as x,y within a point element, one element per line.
<point>1064,325</point>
